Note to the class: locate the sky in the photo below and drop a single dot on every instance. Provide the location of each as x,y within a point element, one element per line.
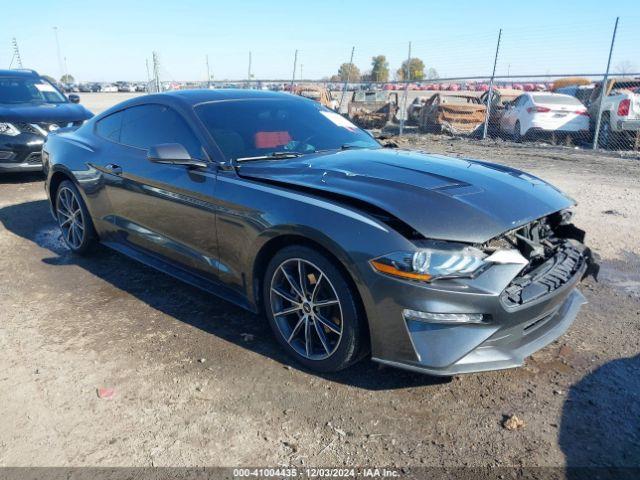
<point>111,40</point>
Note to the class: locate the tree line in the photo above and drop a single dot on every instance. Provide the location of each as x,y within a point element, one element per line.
<point>413,67</point>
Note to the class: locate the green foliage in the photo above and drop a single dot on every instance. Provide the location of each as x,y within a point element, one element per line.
<point>349,72</point>
<point>380,70</point>
<point>416,70</point>
<point>432,74</point>
<point>67,79</point>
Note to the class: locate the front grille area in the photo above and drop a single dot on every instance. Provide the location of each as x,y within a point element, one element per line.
<point>34,158</point>
<point>547,277</point>
<point>43,128</point>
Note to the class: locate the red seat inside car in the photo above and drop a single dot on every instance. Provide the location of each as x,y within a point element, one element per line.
<point>271,139</point>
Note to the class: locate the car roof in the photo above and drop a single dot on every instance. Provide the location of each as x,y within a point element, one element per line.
<point>191,98</point>
<point>19,73</point>
<point>194,97</point>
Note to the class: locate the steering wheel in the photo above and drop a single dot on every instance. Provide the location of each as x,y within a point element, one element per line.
<point>303,143</point>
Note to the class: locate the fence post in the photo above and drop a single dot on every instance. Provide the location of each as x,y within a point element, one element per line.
<point>344,87</point>
<point>489,97</point>
<point>603,88</point>
<point>406,88</point>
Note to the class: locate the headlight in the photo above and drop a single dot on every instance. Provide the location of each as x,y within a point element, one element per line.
<point>428,264</point>
<point>8,129</point>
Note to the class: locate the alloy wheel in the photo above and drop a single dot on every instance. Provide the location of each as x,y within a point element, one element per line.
<point>306,309</point>
<point>70,218</point>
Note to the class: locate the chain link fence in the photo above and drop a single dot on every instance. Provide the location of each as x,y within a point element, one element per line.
<point>566,83</point>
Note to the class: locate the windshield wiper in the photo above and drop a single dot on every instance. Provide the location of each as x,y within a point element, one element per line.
<point>271,156</point>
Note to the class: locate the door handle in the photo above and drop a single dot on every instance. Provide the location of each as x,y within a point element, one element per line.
<point>113,168</point>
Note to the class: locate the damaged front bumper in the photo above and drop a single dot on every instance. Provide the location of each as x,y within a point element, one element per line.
<point>488,347</point>
<point>522,314</point>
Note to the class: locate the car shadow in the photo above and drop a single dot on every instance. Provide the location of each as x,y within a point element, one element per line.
<point>21,177</point>
<point>32,221</point>
<point>600,425</point>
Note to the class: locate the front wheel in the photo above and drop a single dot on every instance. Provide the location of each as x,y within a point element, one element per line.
<point>74,219</point>
<point>312,310</point>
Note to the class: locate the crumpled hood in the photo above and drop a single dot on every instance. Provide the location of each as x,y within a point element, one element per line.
<point>47,112</point>
<point>441,197</point>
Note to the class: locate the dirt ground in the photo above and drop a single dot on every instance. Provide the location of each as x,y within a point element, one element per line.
<point>199,382</point>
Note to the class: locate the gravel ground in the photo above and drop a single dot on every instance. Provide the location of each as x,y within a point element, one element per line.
<point>199,382</point>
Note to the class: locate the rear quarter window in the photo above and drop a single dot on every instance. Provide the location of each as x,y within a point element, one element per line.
<point>109,127</point>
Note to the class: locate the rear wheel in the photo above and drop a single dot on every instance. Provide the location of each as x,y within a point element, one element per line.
<point>73,219</point>
<point>606,138</point>
<point>312,310</point>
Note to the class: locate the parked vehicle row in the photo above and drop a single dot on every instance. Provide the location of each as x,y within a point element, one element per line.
<point>466,86</point>
<point>570,113</point>
<point>95,87</point>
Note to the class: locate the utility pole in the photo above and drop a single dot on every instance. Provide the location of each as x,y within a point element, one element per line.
<point>295,66</point>
<point>156,73</point>
<point>60,65</point>
<point>346,80</point>
<point>146,62</point>
<point>249,72</point>
<point>16,54</point>
<point>489,97</point>
<point>406,90</point>
<point>301,76</point>
<point>208,72</point>
<point>603,88</point>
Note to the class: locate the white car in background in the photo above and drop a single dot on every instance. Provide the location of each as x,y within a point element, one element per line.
<point>537,113</point>
<point>109,88</point>
<point>620,122</point>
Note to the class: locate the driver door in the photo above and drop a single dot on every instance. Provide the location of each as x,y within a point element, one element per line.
<point>163,209</point>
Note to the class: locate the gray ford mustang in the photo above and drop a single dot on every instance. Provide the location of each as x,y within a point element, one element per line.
<point>350,248</point>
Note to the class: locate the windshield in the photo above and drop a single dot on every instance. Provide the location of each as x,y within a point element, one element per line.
<point>15,90</point>
<point>257,127</point>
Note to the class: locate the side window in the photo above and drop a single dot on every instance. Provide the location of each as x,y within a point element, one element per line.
<point>109,127</point>
<point>148,125</point>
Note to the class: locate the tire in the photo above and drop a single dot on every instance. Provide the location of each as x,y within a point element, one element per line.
<point>325,332</point>
<point>607,138</point>
<point>517,132</point>
<point>75,223</point>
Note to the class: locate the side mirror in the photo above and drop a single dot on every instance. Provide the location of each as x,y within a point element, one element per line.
<point>173,154</point>
<point>73,98</point>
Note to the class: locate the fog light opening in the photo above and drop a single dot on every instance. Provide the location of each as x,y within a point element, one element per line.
<point>455,318</point>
